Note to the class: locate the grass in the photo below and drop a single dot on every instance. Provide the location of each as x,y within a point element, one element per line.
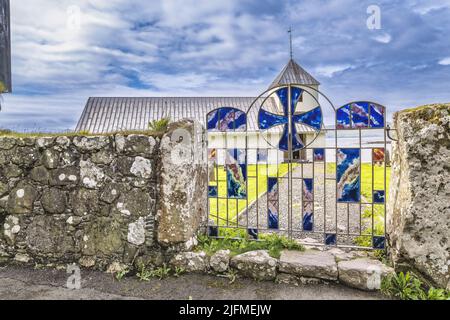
<point>273,243</point>
<point>159,125</point>
<point>409,287</point>
<point>14,134</point>
<point>228,210</point>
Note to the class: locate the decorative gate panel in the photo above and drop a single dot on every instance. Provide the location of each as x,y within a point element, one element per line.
<point>276,168</point>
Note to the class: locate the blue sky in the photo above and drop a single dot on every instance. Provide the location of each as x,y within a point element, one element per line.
<point>219,48</point>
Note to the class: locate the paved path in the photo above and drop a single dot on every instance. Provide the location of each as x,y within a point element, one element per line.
<point>348,218</point>
<point>27,283</point>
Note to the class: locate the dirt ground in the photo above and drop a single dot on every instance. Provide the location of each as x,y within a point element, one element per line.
<point>22,283</point>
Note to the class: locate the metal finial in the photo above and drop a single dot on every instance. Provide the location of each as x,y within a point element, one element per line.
<point>290,42</point>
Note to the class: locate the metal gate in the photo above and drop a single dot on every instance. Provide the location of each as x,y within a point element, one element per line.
<point>277,168</point>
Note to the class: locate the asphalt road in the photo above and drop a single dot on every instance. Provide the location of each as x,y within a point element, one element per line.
<point>19,283</point>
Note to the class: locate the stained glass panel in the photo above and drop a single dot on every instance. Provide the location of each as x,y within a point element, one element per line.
<point>236,168</point>
<point>319,155</point>
<point>378,196</point>
<point>253,233</point>
<point>308,187</point>
<point>343,117</point>
<point>360,114</point>
<point>378,155</point>
<point>377,116</point>
<point>272,195</point>
<point>308,216</point>
<point>312,118</point>
<point>330,239</point>
<point>379,243</point>
<point>212,192</point>
<point>348,175</point>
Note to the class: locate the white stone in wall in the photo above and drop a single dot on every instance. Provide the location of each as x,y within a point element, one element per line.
<point>136,232</point>
<point>142,168</point>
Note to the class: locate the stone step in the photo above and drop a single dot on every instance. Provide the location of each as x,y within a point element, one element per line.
<point>363,273</point>
<point>311,264</point>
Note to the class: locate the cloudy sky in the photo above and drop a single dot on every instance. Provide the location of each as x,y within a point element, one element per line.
<point>67,50</point>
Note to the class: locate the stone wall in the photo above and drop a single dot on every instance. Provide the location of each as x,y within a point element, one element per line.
<point>419,205</point>
<point>94,200</point>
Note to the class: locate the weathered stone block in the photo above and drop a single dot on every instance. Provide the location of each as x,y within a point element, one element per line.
<point>91,175</point>
<point>183,182</point>
<point>54,201</point>
<point>7,143</point>
<point>84,202</point>
<point>418,212</point>
<point>85,144</point>
<point>50,159</point>
<point>134,203</point>
<point>364,273</point>
<point>136,232</point>
<point>48,236</point>
<point>40,174</point>
<point>21,199</point>
<point>190,261</point>
<point>134,145</point>
<point>65,176</point>
<point>220,261</point>
<point>311,263</point>
<point>25,156</point>
<point>258,265</point>
<point>103,236</point>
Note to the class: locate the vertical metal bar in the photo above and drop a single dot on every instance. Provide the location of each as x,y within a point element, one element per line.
<point>385,177</point>
<point>290,156</point>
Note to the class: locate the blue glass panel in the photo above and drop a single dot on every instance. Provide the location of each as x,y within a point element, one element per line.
<point>263,155</point>
<point>236,168</point>
<point>240,121</point>
<point>312,118</point>
<point>377,114</point>
<point>308,187</point>
<point>283,95</point>
<point>212,192</point>
<point>308,216</point>
<point>213,120</point>
<point>272,189</point>
<point>348,175</point>
<point>213,231</point>
<point>253,233</point>
<point>269,120</point>
<point>319,154</point>
<point>273,215</point>
<point>272,196</point>
<point>379,242</point>
<point>331,239</point>
<point>284,141</point>
<point>231,119</point>
<point>343,117</point>
<point>378,196</point>
<point>297,142</point>
<point>296,93</point>
<point>360,114</point>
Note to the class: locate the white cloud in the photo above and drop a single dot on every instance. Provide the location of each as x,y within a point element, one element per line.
<point>383,38</point>
<point>330,70</point>
<point>445,62</point>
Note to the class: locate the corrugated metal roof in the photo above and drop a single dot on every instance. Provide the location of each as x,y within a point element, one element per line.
<point>104,115</point>
<point>293,74</point>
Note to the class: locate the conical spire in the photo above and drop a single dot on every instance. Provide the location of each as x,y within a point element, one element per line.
<point>294,74</point>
